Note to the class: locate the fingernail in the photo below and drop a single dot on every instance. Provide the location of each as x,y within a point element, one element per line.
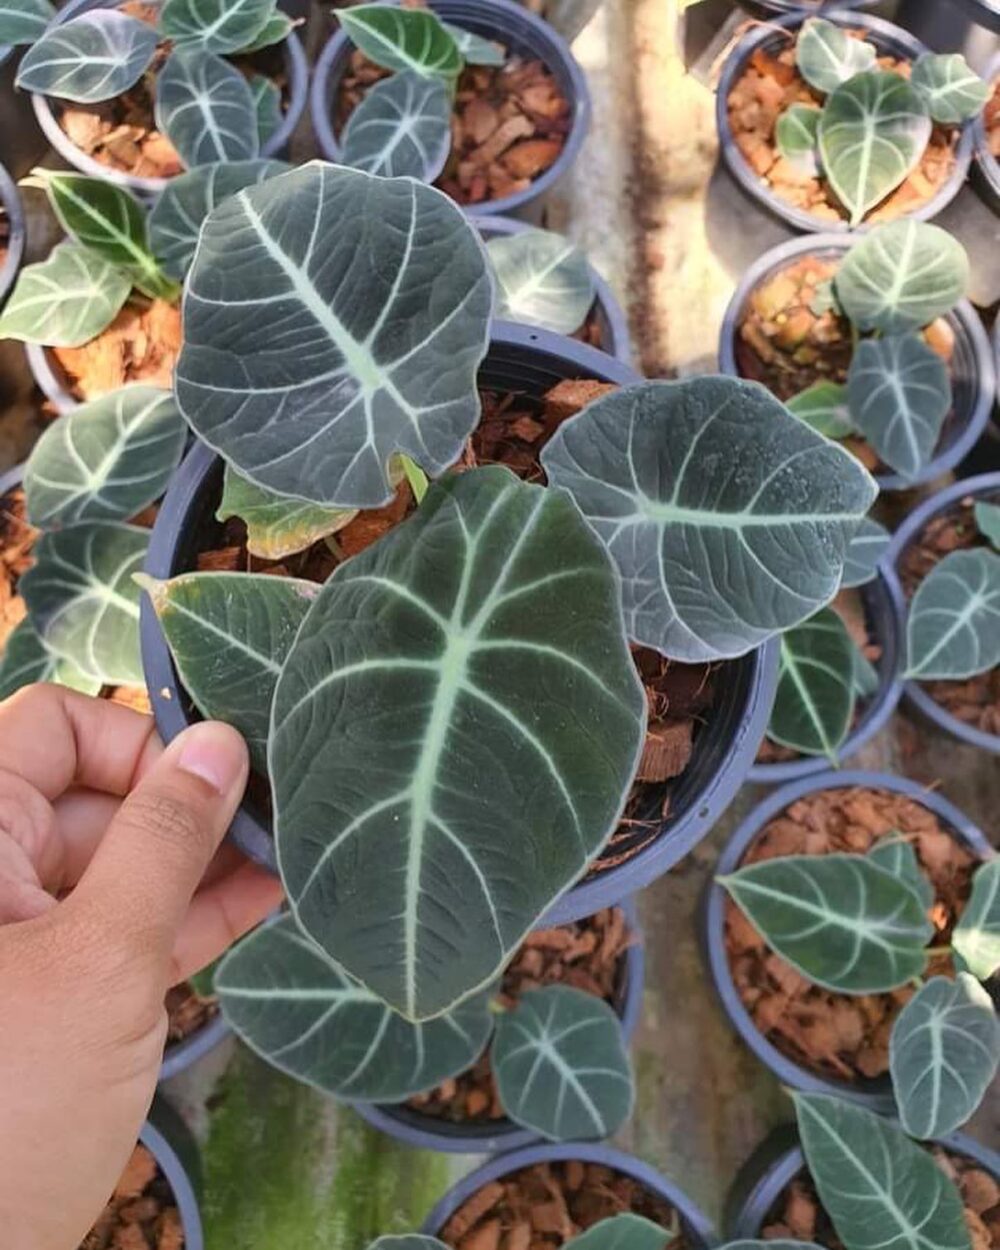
<point>215,753</point>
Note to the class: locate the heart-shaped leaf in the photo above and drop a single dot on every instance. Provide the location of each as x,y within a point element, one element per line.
<point>897,856</point>
<point>484,633</point>
<point>827,55</point>
<point>205,108</point>
<point>106,460</point>
<point>66,300</point>
<point>276,29</point>
<point>881,1190</point>
<point>474,49</point>
<point>814,703</point>
<point>266,96</point>
<point>953,627</point>
<point>24,21</point>
<point>82,598</point>
<point>988,520</point>
<point>276,525</point>
<point>395,330</point>
<point>713,561</point>
<point>215,25</point>
<point>943,1054</point>
<point>402,128</point>
<point>26,659</point>
<point>823,406</point>
<point>873,131</point>
<point>899,394</point>
<point>402,38</point>
<point>867,547</point>
<point>624,1232</point>
<point>796,133</point>
<point>840,920</point>
<point>561,1066</point>
<point>93,57</point>
<point>953,93</point>
<point>542,279</point>
<point>229,634</point>
<point>976,939</point>
<point>901,277</point>
<point>176,217</point>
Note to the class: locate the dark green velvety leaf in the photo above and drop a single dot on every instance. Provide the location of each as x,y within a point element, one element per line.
<point>953,626</point>
<point>396,333</point>
<point>814,703</point>
<point>402,39</point>
<point>873,131</point>
<point>277,29</point>
<point>729,518</point>
<point>475,50</point>
<point>90,58</point>
<point>300,1012</point>
<point>796,133</point>
<point>624,1232</point>
<point>267,106</point>
<point>83,601</point>
<point>481,637</point>
<point>897,856</point>
<point>24,21</point>
<point>215,25</point>
<point>402,128</point>
<point>66,300</point>
<point>542,279</point>
<point>277,526</point>
<point>827,55</point>
<point>841,920</point>
<point>976,939</point>
<point>823,406</point>
<point>988,519</point>
<point>205,108</point>
<point>943,1055</point>
<point>229,634</point>
<point>26,659</point>
<point>881,1190</point>
<point>952,91</point>
<point>868,546</point>
<point>561,1066</point>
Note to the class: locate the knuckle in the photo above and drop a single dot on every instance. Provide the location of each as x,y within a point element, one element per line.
<point>26,816</point>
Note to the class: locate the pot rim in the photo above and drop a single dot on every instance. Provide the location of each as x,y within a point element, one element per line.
<point>184,1054</point>
<point>875,1094</point>
<point>798,218</point>
<point>505,14</point>
<point>179,1180</point>
<point>963,318</point>
<point>913,691</point>
<point>696,1223</point>
<point>981,13</point>
<point>11,201</point>
<point>298,87</point>
<point>986,164</point>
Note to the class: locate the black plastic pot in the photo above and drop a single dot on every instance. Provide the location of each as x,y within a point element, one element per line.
<point>276,146</point>
<point>610,315</point>
<point>11,202</point>
<point>699,1234</point>
<point>523,34</point>
<point>890,40</point>
<point>432,1133</point>
<point>875,1094</point>
<point>986,486</point>
<point>778,1160</point>
<point>168,1139</point>
<point>973,376</point>
<point>527,361</point>
<point>986,167</point>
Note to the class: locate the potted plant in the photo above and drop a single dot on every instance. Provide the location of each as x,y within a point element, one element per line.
<point>986,130</point>
<point>871,342</point>
<point>520,111</point>
<point>942,571</point>
<point>135,100</point>
<point>839,1015</point>
<point>11,234</point>
<point>841,121</point>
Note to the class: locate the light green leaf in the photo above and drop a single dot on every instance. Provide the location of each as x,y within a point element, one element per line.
<point>897,856</point>
<point>26,659</point>
<point>902,277</point>
<point>24,21</point>
<point>542,279</point>
<point>277,525</point>
<point>840,920</point>
<point>402,128</point>
<point>881,1190</point>
<point>868,546</point>
<point>943,1055</point>
<point>953,626</point>
<point>300,1012</point>
<point>402,38</point>
<point>277,29</point>
<point>827,56</point>
<point>953,93</point>
<point>825,300</point>
<point>267,106</point>
<point>796,133</point>
<point>624,1232</point>
<point>866,678</point>
<point>229,634</point>
<point>899,394</point>
<point>873,131</point>
<point>90,58</point>
<point>215,25</point>
<point>988,520</point>
<point>976,938</point>
<point>814,703</point>
<point>83,601</point>
<point>403,684</point>
<point>66,300</point>
<point>713,561</point>
<point>474,49</point>
<point>205,108</point>
<point>105,460</point>
<point>823,407</point>
<point>561,1066</point>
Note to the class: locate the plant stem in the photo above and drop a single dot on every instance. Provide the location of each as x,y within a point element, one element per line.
<point>415,476</point>
<point>938,950</point>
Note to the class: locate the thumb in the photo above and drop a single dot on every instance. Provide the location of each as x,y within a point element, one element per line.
<point>141,880</point>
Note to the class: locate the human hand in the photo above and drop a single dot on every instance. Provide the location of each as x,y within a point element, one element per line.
<point>92,804</point>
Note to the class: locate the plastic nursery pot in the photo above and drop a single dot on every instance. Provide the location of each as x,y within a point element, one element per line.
<point>697,1230</point>
<point>608,313</point>
<point>523,34</point>
<point>987,486</point>
<point>982,12</point>
<point>973,375</point>
<point>49,377</point>
<point>875,1094</point>
<point>874,713</point>
<point>183,1055</point>
<point>276,146</point>
<point>890,40</point>
<point>778,1160</point>
<point>168,1139</point>
<point>986,167</point>
<point>766,9</point>
<point>11,203</point>
<point>416,1128</point>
